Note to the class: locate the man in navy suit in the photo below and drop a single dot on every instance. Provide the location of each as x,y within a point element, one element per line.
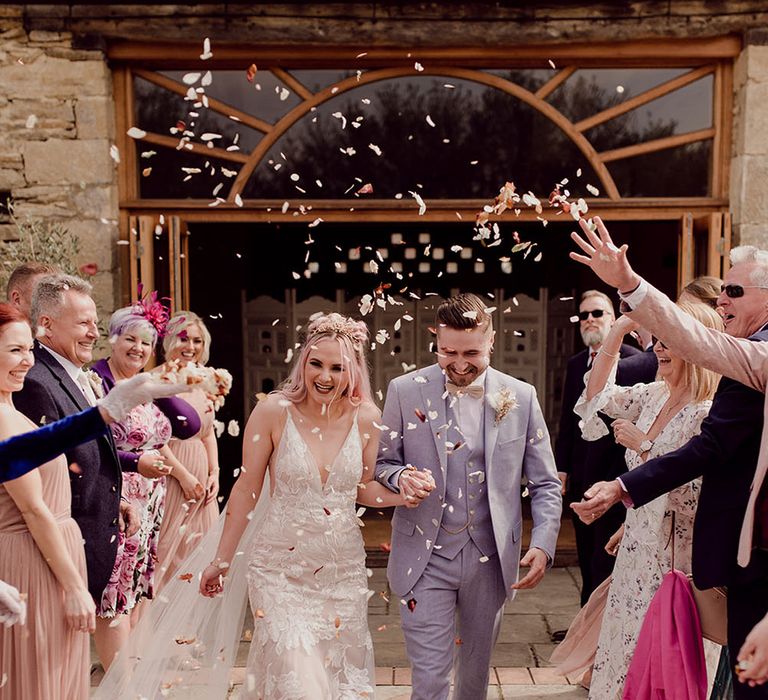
<point>56,387</point>
<point>580,463</point>
<point>724,454</point>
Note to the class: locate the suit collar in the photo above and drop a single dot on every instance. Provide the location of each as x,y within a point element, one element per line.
<point>45,357</point>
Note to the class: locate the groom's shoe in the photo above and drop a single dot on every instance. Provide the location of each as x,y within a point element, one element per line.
<point>558,636</point>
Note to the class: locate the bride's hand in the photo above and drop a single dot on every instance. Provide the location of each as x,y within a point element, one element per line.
<point>212,579</point>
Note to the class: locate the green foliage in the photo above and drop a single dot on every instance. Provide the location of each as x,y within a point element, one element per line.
<point>38,241</point>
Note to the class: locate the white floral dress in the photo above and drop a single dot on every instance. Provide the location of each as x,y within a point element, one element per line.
<point>645,554</point>
<point>307,581</point>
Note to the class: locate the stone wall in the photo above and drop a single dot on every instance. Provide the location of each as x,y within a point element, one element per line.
<point>57,125</point>
<point>749,166</point>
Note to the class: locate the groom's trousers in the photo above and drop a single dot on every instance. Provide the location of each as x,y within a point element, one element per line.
<point>458,610</point>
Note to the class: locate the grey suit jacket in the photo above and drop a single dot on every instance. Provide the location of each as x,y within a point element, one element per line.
<point>516,446</point>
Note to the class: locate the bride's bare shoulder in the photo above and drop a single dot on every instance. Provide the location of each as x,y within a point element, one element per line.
<point>270,408</point>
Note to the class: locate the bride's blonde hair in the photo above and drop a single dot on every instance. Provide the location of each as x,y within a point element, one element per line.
<point>352,337</point>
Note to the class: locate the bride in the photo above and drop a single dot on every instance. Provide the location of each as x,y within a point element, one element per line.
<point>315,441</point>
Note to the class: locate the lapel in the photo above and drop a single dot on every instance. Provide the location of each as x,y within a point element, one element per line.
<point>493,384</point>
<point>60,374</point>
<point>432,394</point>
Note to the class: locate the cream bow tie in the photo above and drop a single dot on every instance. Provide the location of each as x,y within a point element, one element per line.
<point>473,390</point>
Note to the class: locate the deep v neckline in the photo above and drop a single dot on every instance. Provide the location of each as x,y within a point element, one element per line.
<point>313,460</point>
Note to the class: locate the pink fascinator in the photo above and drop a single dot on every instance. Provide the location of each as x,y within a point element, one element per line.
<point>153,310</point>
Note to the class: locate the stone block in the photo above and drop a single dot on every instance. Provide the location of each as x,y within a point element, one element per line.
<point>97,242</point>
<point>757,63</point>
<point>95,118</point>
<point>43,37</point>
<point>752,234</point>
<point>95,202</point>
<point>73,161</point>
<point>46,76</point>
<point>753,119</point>
<point>524,628</point>
<point>754,203</point>
<point>11,178</point>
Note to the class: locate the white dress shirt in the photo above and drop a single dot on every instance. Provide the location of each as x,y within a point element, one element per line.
<point>469,412</point>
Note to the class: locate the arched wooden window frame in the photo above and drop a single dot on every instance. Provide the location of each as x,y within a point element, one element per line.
<point>704,57</point>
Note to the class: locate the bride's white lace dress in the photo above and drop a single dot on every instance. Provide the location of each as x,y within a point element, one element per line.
<point>307,580</point>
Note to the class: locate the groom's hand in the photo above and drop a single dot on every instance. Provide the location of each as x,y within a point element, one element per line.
<point>536,559</point>
<point>607,261</point>
<point>415,486</point>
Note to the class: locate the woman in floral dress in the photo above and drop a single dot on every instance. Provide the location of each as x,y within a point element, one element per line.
<point>141,440</point>
<point>652,419</point>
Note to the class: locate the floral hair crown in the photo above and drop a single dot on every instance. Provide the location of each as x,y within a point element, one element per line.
<point>356,331</point>
<point>153,310</point>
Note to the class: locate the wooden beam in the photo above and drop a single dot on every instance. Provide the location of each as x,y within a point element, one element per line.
<point>672,51</point>
<point>643,98</point>
<point>194,147</point>
<point>656,145</point>
<point>715,245</point>
<point>726,242</point>
<point>554,82</point>
<point>291,82</point>
<point>685,258</point>
<point>214,104</point>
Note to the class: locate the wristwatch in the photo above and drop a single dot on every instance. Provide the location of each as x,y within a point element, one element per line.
<point>645,446</point>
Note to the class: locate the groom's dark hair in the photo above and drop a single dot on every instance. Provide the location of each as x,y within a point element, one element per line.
<point>464,312</point>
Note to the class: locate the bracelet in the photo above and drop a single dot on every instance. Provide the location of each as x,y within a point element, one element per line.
<point>607,354</point>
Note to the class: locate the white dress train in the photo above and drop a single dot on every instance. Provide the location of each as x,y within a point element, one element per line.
<point>301,561</point>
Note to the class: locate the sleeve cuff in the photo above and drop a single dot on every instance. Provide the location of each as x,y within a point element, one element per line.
<point>626,499</point>
<point>635,297</point>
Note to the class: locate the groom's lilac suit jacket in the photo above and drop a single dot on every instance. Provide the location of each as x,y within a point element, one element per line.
<point>517,446</point>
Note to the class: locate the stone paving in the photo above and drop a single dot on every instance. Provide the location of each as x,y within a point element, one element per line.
<point>520,660</point>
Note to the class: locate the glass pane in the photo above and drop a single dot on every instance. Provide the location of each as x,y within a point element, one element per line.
<point>679,112</point>
<point>159,110</point>
<point>266,97</point>
<point>166,179</point>
<point>459,142</point>
<point>315,80</point>
<point>675,172</point>
<point>591,90</point>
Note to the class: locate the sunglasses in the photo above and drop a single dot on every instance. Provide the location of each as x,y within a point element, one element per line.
<point>734,291</point>
<point>655,340</point>
<point>595,313</point>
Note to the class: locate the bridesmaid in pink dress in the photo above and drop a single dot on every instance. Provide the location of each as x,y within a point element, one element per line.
<point>189,512</point>
<point>47,658</point>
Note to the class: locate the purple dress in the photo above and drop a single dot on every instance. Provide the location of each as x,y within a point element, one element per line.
<point>145,428</point>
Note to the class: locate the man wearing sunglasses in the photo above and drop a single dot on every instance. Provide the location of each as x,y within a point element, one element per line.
<point>730,539</point>
<point>581,463</point>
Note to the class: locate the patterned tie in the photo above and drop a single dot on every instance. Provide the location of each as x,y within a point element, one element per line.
<point>85,385</point>
<point>475,391</point>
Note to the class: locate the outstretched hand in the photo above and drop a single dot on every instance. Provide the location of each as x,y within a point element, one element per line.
<point>597,500</point>
<point>607,261</point>
<point>536,559</point>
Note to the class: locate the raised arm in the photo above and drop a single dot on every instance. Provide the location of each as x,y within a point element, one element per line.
<point>736,358</point>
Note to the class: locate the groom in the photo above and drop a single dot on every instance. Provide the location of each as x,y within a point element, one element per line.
<point>455,558</point>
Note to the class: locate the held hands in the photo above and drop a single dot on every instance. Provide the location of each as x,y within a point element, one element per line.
<point>536,559</point>
<point>597,500</point>
<point>80,610</point>
<point>192,488</point>
<point>212,486</point>
<point>627,434</point>
<point>752,666</point>
<point>607,261</point>
<point>129,521</point>
<point>415,486</point>
<point>12,608</point>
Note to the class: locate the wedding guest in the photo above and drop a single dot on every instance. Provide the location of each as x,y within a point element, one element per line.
<point>139,438</point>
<point>728,454</point>
<point>580,463</point>
<point>299,554</point>
<point>42,554</point>
<point>650,420</point>
<point>190,505</point>
<point>22,283</point>
<point>57,386</point>
<point>704,289</point>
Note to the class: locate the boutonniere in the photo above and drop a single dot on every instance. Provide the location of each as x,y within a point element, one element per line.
<point>95,382</point>
<point>502,402</point>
